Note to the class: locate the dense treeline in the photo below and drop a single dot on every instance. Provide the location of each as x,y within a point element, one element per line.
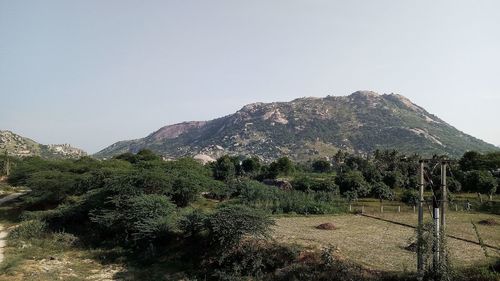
<point>147,205</point>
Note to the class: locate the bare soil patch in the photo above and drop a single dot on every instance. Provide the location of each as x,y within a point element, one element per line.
<point>326,226</point>
<point>488,222</point>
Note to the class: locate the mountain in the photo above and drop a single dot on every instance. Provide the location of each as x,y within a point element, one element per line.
<point>19,146</point>
<point>308,128</point>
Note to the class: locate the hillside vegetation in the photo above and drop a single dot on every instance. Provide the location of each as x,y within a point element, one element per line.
<point>18,146</point>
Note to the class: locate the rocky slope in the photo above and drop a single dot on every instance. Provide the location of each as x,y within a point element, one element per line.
<point>19,146</point>
<point>308,128</point>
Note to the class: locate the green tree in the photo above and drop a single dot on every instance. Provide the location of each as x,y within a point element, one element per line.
<point>471,160</point>
<point>353,183</point>
<point>410,197</point>
<point>224,168</point>
<point>251,165</point>
<point>321,166</point>
<point>480,181</point>
<point>185,189</point>
<point>282,166</point>
<point>394,179</point>
<point>381,191</point>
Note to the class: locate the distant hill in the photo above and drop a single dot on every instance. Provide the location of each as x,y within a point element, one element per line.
<point>308,128</point>
<point>19,146</point>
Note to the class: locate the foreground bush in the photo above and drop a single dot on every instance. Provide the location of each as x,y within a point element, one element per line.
<point>28,230</point>
<point>229,224</point>
<point>138,220</point>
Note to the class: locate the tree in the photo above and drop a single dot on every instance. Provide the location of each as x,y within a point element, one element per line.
<point>321,166</point>
<point>251,165</point>
<point>147,155</point>
<point>353,183</point>
<point>471,160</point>
<point>480,181</point>
<point>394,179</point>
<point>224,168</point>
<point>410,197</point>
<point>283,166</point>
<point>381,191</point>
<point>307,183</point>
<point>143,155</point>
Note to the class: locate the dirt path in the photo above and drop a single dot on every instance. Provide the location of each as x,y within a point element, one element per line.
<point>3,233</point>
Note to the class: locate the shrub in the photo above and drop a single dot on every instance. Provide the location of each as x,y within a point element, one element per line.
<point>229,224</point>
<point>322,166</point>
<point>225,168</point>
<point>29,230</point>
<point>64,239</point>
<point>381,191</point>
<point>353,182</point>
<point>307,183</point>
<point>138,219</point>
<point>253,192</point>
<point>480,181</point>
<point>410,197</point>
<point>193,222</point>
<point>254,258</point>
<point>306,203</point>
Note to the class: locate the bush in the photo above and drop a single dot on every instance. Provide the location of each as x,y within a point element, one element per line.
<point>381,191</point>
<point>229,224</point>
<point>193,223</point>
<point>29,230</point>
<point>253,192</point>
<point>254,258</point>
<point>306,203</point>
<point>410,197</point>
<point>480,181</point>
<point>306,183</point>
<point>322,166</point>
<point>64,239</point>
<point>137,220</point>
<point>353,183</point>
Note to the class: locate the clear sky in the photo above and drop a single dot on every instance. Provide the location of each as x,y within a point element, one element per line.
<point>93,72</point>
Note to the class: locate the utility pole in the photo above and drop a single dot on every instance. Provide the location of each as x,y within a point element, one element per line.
<point>439,208</point>
<point>444,202</point>
<point>437,223</point>
<point>420,254</point>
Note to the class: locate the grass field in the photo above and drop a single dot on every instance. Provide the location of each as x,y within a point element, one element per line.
<point>380,245</point>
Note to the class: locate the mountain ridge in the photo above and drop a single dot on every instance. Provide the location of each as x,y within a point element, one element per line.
<point>19,146</point>
<point>310,127</point>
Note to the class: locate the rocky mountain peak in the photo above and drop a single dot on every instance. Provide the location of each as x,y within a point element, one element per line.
<point>308,128</point>
<point>173,131</point>
<point>365,94</point>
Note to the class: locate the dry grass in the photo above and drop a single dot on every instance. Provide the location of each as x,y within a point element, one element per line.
<point>380,245</point>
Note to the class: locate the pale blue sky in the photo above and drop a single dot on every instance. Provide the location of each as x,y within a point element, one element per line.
<point>91,73</point>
